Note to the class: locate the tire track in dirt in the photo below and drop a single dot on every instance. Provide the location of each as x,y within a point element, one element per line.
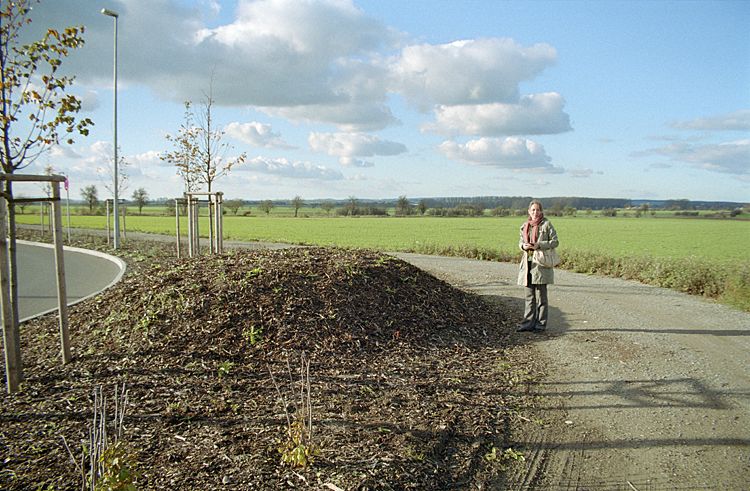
<point>645,388</point>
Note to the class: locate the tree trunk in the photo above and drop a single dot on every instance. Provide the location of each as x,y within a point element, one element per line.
<point>12,248</point>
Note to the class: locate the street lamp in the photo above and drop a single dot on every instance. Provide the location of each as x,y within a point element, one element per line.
<point>114,16</point>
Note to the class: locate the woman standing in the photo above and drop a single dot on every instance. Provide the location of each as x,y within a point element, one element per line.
<point>536,233</point>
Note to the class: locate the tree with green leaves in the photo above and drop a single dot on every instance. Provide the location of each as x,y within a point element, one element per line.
<point>90,196</point>
<point>403,207</point>
<point>35,110</point>
<point>140,198</point>
<point>266,206</point>
<point>233,205</point>
<point>297,203</point>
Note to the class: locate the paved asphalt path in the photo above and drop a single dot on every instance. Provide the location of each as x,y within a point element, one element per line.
<point>87,273</point>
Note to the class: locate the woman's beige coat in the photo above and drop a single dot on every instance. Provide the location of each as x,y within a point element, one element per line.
<point>540,275</point>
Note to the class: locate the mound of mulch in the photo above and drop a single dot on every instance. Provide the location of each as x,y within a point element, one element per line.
<point>411,382</point>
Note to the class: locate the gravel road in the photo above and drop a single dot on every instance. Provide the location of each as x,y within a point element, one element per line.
<point>646,388</point>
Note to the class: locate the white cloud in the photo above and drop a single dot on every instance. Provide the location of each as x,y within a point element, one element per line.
<point>468,71</point>
<point>89,101</point>
<point>348,146</point>
<point>505,153</point>
<point>145,159</point>
<point>581,173</point>
<point>285,168</point>
<point>351,117</point>
<point>729,157</point>
<point>735,121</point>
<point>63,151</point>
<point>536,114</point>
<point>256,134</point>
<point>273,52</point>
<point>322,61</point>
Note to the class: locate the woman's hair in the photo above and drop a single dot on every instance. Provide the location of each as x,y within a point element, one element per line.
<point>536,202</point>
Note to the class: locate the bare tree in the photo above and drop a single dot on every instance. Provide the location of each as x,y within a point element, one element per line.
<point>212,160</point>
<point>35,111</point>
<point>352,206</point>
<point>327,206</point>
<point>107,174</point>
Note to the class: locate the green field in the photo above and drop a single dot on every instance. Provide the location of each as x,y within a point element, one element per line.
<point>706,257</point>
<point>715,240</point>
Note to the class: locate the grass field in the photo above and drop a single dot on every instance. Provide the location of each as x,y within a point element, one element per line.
<point>708,257</point>
<point>718,240</point>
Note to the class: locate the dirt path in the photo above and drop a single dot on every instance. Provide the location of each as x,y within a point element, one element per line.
<point>646,388</point>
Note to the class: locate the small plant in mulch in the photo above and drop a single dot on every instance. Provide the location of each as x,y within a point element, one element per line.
<point>298,448</point>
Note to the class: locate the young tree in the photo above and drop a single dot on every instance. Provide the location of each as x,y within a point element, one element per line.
<point>297,203</point>
<point>184,155</point>
<point>90,197</point>
<point>422,207</point>
<point>212,161</point>
<point>107,174</point>
<point>140,197</point>
<point>205,158</point>
<point>35,111</point>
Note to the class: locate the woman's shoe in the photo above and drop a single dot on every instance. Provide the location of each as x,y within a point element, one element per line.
<point>524,328</point>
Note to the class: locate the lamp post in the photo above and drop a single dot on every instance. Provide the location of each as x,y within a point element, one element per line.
<point>115,16</point>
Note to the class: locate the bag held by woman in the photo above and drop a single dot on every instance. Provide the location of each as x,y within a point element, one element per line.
<point>548,258</point>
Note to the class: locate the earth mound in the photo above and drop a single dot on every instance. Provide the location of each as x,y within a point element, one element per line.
<point>410,385</point>
<point>314,299</point>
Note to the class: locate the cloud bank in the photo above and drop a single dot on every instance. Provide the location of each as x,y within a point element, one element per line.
<point>322,62</point>
<point>512,153</point>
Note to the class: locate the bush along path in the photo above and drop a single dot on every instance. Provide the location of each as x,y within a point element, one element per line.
<point>299,368</point>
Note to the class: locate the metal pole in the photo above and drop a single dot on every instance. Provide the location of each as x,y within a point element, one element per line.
<point>115,16</point>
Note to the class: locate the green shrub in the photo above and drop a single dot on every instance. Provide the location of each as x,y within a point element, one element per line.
<point>696,276</point>
<point>737,291</point>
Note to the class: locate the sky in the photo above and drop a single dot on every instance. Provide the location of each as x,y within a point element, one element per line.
<point>379,99</point>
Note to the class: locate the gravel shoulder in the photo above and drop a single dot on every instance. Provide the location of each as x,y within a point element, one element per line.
<point>645,388</point>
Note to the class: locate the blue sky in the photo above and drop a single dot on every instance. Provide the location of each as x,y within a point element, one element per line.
<point>377,99</point>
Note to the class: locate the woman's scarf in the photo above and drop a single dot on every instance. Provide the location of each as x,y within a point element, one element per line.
<point>534,225</point>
